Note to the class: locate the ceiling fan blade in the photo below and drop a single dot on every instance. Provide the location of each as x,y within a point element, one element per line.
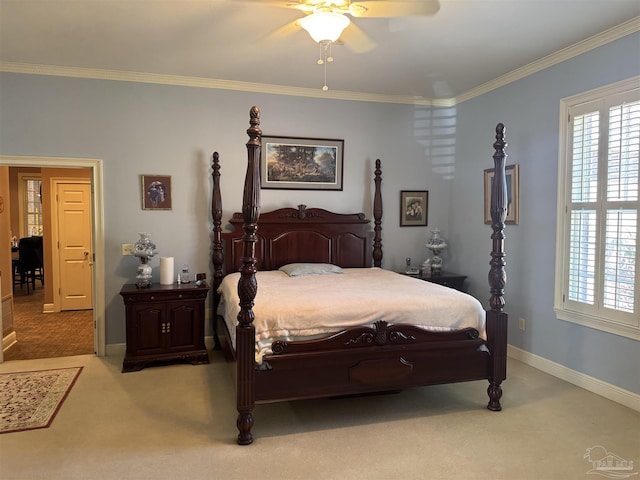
<point>356,40</point>
<point>394,8</point>
<point>285,30</point>
<point>283,4</point>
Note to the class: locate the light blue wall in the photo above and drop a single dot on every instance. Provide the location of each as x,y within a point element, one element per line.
<point>530,110</point>
<point>153,129</point>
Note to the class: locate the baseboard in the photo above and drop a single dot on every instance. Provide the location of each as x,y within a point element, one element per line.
<point>48,308</point>
<point>9,341</point>
<point>209,343</point>
<point>115,349</point>
<point>604,389</point>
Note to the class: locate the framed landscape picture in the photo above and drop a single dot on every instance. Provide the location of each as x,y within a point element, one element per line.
<point>301,163</point>
<point>414,208</point>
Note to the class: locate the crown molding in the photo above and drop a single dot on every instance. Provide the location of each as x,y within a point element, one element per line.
<point>598,40</point>
<point>567,53</point>
<point>198,82</point>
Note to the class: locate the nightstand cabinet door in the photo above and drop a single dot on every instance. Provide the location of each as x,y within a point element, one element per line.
<point>144,333</point>
<point>184,326</point>
<point>164,323</point>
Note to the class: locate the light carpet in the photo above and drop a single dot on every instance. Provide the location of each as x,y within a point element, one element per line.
<point>178,422</point>
<point>30,400</point>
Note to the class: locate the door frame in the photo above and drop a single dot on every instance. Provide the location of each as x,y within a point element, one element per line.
<point>97,204</point>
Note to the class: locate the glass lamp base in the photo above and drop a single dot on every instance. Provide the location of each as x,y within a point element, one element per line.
<point>436,265</point>
<point>143,278</point>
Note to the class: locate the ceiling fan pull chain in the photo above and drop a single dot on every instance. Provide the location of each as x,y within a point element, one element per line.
<point>324,87</point>
<point>325,54</point>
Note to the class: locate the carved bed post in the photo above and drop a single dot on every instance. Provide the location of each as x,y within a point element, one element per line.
<point>377,216</point>
<point>216,254</point>
<point>247,285</point>
<point>496,317</point>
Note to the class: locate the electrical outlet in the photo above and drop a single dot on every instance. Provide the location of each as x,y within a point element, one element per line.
<point>521,324</point>
<point>127,249</point>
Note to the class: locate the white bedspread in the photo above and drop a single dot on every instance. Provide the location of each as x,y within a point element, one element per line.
<point>289,308</point>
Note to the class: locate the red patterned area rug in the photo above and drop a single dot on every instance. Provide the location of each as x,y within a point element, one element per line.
<point>30,400</point>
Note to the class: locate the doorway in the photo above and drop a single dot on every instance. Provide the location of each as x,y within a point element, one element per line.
<point>96,180</point>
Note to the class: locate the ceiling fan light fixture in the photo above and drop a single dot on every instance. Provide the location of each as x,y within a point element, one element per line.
<point>325,26</point>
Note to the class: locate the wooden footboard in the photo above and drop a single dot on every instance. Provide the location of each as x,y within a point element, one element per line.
<point>370,359</point>
<point>365,360</point>
<point>360,359</point>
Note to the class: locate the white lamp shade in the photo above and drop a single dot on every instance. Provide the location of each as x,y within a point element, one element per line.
<point>325,26</point>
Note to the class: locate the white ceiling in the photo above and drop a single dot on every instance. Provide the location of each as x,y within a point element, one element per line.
<point>466,44</point>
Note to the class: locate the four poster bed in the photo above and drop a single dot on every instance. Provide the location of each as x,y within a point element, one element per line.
<point>367,346</point>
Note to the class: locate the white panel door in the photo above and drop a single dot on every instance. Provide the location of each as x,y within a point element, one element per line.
<point>74,246</point>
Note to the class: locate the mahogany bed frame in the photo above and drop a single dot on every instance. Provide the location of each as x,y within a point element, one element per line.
<point>358,360</point>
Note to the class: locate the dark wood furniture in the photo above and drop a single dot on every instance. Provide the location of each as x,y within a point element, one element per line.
<point>448,279</point>
<point>30,264</point>
<point>164,323</point>
<point>357,360</point>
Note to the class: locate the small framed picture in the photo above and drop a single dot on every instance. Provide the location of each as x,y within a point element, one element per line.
<point>414,208</point>
<point>511,173</point>
<point>156,192</point>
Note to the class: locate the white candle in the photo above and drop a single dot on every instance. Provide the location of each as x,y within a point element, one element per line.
<point>166,270</point>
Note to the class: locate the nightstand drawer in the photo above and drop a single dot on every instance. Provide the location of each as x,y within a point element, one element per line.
<point>448,279</point>
<point>166,296</point>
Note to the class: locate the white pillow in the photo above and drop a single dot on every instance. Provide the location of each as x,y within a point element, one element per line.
<point>300,269</point>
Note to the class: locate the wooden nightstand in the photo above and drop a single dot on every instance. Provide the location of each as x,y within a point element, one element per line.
<point>448,279</point>
<point>164,322</point>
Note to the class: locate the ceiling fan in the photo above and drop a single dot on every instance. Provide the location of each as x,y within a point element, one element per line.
<point>326,21</point>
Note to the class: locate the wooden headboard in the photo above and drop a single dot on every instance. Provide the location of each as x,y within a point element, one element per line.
<point>290,235</point>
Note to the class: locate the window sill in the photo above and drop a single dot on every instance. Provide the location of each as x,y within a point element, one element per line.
<point>597,323</point>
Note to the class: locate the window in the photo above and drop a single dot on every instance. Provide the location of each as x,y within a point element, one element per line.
<point>29,192</point>
<point>598,202</point>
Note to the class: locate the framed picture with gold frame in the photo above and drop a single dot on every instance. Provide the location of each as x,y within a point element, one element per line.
<point>414,208</point>
<point>511,172</point>
<point>156,192</point>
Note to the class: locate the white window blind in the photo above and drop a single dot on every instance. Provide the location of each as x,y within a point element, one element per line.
<point>598,202</point>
